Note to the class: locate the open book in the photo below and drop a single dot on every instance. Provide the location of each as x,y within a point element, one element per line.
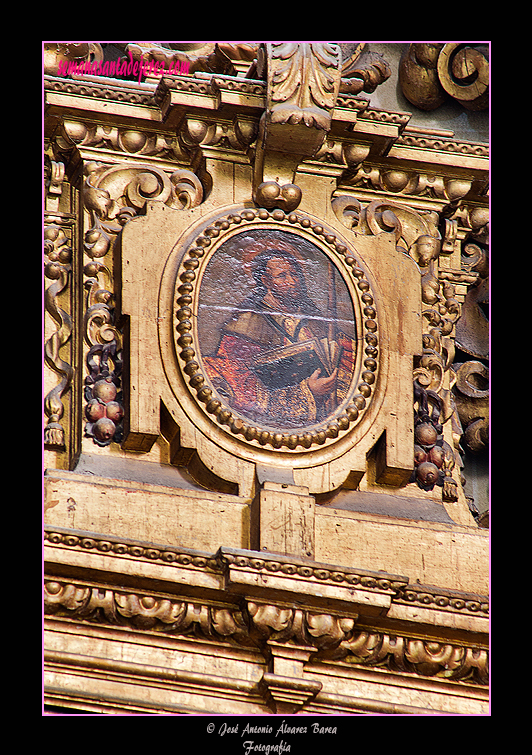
<point>289,365</point>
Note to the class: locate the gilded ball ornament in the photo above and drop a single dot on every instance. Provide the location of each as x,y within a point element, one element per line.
<point>427,473</point>
<point>425,434</point>
<point>148,602</point>
<point>396,180</point>
<point>437,456</point>
<point>51,233</point>
<point>104,429</point>
<point>420,455</point>
<point>77,132</point>
<point>105,390</point>
<point>95,410</point>
<point>133,141</point>
<point>114,411</point>
<point>52,270</point>
<point>292,194</point>
<point>269,192</point>
<point>91,269</point>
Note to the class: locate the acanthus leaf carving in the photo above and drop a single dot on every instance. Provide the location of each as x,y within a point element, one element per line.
<point>282,624</point>
<point>144,611</point>
<point>329,637</point>
<point>401,182</point>
<point>78,134</point>
<point>418,234</point>
<point>471,397</point>
<point>416,656</point>
<point>109,190</point>
<point>470,387</point>
<point>303,81</point>
<point>363,71</point>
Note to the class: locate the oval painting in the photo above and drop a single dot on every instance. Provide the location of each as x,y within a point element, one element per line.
<point>277,329</point>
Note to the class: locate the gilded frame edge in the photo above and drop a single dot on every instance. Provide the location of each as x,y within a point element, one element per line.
<point>198,250</point>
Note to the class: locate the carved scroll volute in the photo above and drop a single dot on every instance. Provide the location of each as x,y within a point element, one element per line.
<point>418,76</point>
<point>430,74</point>
<point>464,74</point>
<point>303,84</point>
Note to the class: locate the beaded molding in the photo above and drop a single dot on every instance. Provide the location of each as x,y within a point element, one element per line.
<point>187,290</point>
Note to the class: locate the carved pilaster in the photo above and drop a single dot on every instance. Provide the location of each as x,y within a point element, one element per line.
<point>57,269</point>
<point>113,195</point>
<point>60,299</point>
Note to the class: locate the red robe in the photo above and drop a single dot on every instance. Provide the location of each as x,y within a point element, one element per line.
<point>246,337</point>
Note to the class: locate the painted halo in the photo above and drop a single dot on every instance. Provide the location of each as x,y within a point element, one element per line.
<point>252,366</point>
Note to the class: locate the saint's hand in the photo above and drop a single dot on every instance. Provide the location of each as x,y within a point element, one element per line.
<point>321,386</point>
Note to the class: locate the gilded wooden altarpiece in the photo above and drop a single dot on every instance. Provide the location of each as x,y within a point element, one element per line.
<point>253,284</point>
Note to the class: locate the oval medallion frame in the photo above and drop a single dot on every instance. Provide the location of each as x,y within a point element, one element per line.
<point>354,406</point>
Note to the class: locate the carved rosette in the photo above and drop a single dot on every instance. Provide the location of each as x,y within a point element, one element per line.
<point>202,390</point>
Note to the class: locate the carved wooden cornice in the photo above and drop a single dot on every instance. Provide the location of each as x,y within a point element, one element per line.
<point>91,95</point>
<point>361,69</point>
<point>254,622</point>
<point>186,118</point>
<point>221,93</point>
<point>328,636</point>
<point>438,144</point>
<point>253,599</point>
<point>235,562</point>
